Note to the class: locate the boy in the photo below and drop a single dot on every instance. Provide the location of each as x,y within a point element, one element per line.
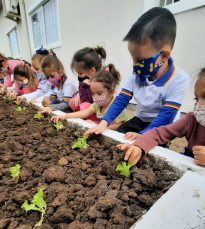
<point>157,85</point>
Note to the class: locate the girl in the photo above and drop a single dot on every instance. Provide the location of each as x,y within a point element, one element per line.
<point>85,63</point>
<point>2,77</point>
<point>29,81</point>
<point>7,66</point>
<point>62,89</point>
<point>103,86</point>
<point>44,83</point>
<point>192,126</point>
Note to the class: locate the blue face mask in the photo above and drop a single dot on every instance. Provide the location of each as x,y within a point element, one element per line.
<point>146,68</point>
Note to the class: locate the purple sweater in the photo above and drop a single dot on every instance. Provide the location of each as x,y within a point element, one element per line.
<point>85,93</point>
<point>185,127</point>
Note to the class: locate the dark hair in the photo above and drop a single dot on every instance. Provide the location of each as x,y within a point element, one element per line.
<point>109,76</point>
<point>202,72</point>
<point>157,24</point>
<point>40,54</point>
<point>52,61</point>
<point>25,71</point>
<point>2,59</point>
<point>87,58</point>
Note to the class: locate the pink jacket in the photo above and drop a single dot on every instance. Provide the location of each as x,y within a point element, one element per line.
<point>12,65</point>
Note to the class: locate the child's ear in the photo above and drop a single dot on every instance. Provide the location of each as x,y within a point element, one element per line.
<point>61,72</point>
<point>112,91</point>
<point>165,55</point>
<point>92,70</point>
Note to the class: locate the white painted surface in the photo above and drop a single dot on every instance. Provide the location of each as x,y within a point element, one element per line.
<point>181,207</point>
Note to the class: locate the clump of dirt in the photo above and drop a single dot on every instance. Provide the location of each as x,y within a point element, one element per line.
<point>81,187</point>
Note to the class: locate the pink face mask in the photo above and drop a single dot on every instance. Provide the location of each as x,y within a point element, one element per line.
<point>55,81</point>
<point>101,100</point>
<point>5,69</point>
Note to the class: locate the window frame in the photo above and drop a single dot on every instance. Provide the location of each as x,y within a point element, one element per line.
<point>29,13</point>
<point>177,7</point>
<point>10,30</point>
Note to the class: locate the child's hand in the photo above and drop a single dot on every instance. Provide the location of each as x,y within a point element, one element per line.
<point>100,128</point>
<point>131,136</point>
<point>2,91</point>
<point>87,81</point>
<point>12,95</point>
<point>77,100</point>
<point>33,101</point>
<point>45,110</point>
<point>133,153</point>
<point>46,101</point>
<point>20,99</point>
<point>199,155</point>
<point>56,119</point>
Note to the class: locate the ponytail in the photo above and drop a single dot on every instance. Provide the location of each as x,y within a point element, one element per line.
<point>88,58</point>
<point>109,76</point>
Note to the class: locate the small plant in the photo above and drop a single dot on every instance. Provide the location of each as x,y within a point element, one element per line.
<point>9,98</point>
<point>4,97</point>
<point>38,115</point>
<point>16,102</point>
<point>18,109</point>
<point>15,170</point>
<point>124,168</point>
<point>81,143</point>
<point>59,126</point>
<point>24,108</point>
<point>38,204</point>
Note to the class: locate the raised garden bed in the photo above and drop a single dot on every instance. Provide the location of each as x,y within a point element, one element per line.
<point>82,187</point>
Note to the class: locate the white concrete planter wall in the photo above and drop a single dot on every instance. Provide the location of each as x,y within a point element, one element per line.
<point>183,205</point>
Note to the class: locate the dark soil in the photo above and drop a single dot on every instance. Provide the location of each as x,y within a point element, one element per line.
<point>82,188</point>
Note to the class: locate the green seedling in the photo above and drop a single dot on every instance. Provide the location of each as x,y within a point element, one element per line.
<point>16,102</point>
<point>59,126</point>
<point>124,168</point>
<point>15,170</point>
<point>38,204</point>
<point>18,109</point>
<point>81,143</point>
<point>4,97</point>
<point>9,98</point>
<point>38,115</point>
<point>24,108</point>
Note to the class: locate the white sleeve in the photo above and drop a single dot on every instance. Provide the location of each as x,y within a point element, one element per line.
<point>34,95</point>
<point>40,99</point>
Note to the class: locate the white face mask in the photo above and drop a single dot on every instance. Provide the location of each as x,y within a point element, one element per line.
<point>199,113</point>
<point>41,75</point>
<point>5,69</point>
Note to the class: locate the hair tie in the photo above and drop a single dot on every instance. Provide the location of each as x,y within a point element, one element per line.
<point>23,64</point>
<point>107,69</point>
<point>41,50</point>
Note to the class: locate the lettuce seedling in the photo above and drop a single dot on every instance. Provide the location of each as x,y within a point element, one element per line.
<point>10,98</point>
<point>124,168</point>
<point>81,143</point>
<point>18,109</point>
<point>59,126</point>
<point>16,102</point>
<point>38,115</point>
<point>4,97</point>
<point>24,108</point>
<point>15,170</point>
<point>38,204</point>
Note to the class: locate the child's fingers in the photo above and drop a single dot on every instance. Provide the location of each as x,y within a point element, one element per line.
<point>197,148</point>
<point>196,161</point>
<point>127,135</point>
<point>127,155</point>
<point>133,137</point>
<point>124,146</point>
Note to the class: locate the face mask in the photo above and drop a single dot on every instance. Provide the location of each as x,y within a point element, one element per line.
<point>146,68</point>
<point>101,100</point>
<point>56,80</point>
<point>81,79</point>
<point>41,75</point>
<point>5,69</point>
<point>199,113</point>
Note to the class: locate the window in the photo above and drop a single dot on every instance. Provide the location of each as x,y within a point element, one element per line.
<point>13,42</point>
<point>44,22</point>
<point>175,6</point>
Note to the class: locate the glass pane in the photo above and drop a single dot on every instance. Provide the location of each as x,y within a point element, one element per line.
<point>169,2</point>
<point>176,0</point>
<point>13,40</point>
<point>38,28</point>
<point>51,22</point>
<point>161,3</point>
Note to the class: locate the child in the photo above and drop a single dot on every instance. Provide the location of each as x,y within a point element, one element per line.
<point>7,66</point>
<point>85,63</point>
<point>192,126</point>
<point>2,77</point>
<point>29,81</point>
<point>44,83</point>
<point>62,87</point>
<point>103,84</point>
<point>157,84</point>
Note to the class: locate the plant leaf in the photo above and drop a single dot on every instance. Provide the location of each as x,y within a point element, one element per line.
<point>59,126</point>
<point>124,168</point>
<point>39,201</point>
<point>24,108</point>
<point>81,143</point>
<point>16,102</point>
<point>18,109</point>
<point>27,206</point>
<point>15,170</point>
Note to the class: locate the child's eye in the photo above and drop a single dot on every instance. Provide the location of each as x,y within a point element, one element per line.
<point>196,99</point>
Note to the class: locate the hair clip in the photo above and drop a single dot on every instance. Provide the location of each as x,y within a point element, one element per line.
<point>107,69</point>
<point>23,64</point>
<point>41,50</point>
